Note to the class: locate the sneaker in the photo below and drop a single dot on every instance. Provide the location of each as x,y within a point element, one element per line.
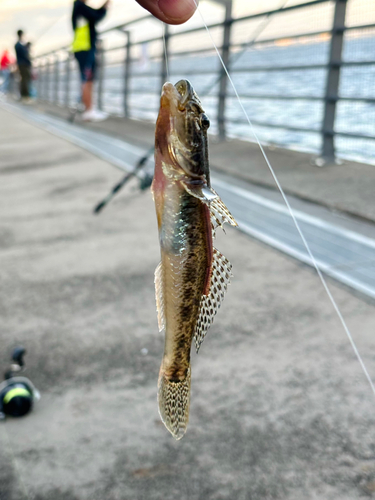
<point>27,100</point>
<point>94,115</point>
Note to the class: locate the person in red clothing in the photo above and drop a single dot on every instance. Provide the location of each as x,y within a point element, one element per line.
<point>5,67</point>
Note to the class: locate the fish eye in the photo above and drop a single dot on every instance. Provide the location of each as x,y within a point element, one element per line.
<point>205,122</point>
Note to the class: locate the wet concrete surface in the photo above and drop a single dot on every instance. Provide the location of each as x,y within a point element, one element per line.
<point>280,408</point>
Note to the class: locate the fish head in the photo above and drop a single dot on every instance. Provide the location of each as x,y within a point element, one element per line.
<point>181,130</point>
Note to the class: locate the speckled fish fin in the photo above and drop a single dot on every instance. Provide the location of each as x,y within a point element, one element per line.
<point>220,213</point>
<point>218,210</point>
<point>210,303</point>
<point>159,296</point>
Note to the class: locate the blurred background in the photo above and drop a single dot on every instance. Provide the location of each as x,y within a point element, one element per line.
<point>280,407</point>
<point>298,93</point>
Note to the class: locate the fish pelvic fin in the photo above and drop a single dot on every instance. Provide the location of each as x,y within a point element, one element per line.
<point>159,296</point>
<point>174,403</point>
<point>220,278</point>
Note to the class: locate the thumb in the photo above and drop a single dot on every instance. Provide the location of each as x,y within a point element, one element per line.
<point>170,11</point>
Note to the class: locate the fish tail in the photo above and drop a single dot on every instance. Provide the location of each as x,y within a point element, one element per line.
<point>174,403</point>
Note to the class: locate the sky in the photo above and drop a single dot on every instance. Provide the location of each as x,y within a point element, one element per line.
<point>47,22</point>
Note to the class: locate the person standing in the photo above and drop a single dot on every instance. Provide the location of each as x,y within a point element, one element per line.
<point>24,66</point>
<point>84,20</point>
<point>5,68</point>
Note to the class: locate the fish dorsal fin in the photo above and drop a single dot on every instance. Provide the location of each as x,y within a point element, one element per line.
<point>220,213</point>
<point>159,296</point>
<point>220,278</point>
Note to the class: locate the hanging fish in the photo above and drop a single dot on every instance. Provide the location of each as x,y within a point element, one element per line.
<point>192,277</point>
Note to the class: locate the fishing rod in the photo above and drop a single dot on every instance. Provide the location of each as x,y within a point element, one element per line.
<point>145,181</point>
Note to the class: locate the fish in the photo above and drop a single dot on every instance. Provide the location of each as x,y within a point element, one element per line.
<point>192,276</point>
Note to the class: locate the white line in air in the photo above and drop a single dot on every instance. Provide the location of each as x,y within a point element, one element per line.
<point>315,221</point>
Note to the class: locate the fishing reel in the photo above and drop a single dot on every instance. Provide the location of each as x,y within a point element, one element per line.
<point>17,394</point>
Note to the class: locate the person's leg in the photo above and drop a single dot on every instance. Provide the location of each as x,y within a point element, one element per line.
<point>6,81</point>
<point>87,94</point>
<point>24,91</point>
<point>28,80</point>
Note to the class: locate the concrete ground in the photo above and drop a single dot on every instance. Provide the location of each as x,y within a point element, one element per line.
<point>280,407</point>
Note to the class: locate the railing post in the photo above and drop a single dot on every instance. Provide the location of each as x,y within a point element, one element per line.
<point>56,82</point>
<point>67,81</point>
<point>165,58</point>
<point>48,86</point>
<point>225,52</point>
<point>39,76</point>
<point>127,66</point>
<point>333,80</point>
<point>101,75</point>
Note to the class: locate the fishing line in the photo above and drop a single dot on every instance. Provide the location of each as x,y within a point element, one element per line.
<point>324,283</point>
<point>165,50</point>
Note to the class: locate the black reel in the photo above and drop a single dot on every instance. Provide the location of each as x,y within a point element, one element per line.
<point>17,394</point>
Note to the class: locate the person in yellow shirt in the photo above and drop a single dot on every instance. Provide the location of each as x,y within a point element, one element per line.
<point>84,20</point>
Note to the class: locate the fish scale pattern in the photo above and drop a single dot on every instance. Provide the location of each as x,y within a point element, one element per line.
<point>220,278</point>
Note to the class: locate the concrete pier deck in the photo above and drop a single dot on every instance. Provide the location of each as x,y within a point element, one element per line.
<point>280,407</point>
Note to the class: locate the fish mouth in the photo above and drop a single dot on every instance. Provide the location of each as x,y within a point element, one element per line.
<point>170,98</point>
<point>186,91</point>
<point>178,95</point>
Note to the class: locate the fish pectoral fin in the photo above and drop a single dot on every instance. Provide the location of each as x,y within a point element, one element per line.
<point>210,303</point>
<point>201,191</point>
<point>159,296</point>
<point>220,213</point>
<point>218,210</point>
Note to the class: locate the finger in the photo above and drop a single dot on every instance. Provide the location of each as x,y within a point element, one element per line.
<point>170,11</point>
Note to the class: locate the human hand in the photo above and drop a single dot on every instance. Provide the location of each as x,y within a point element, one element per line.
<point>170,11</point>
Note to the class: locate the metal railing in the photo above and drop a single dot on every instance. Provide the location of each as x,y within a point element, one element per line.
<point>310,88</point>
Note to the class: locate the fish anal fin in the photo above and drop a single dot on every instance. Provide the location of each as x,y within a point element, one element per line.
<point>210,303</point>
<point>159,296</point>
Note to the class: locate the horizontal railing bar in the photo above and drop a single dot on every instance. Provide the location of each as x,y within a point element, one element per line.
<point>370,100</point>
<point>273,125</point>
<point>292,67</point>
<point>277,39</point>
<point>142,108</point>
<point>356,63</point>
<point>277,97</point>
<point>364,26</point>
<point>145,92</point>
<point>300,129</point>
<point>354,136</point>
<point>129,23</point>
